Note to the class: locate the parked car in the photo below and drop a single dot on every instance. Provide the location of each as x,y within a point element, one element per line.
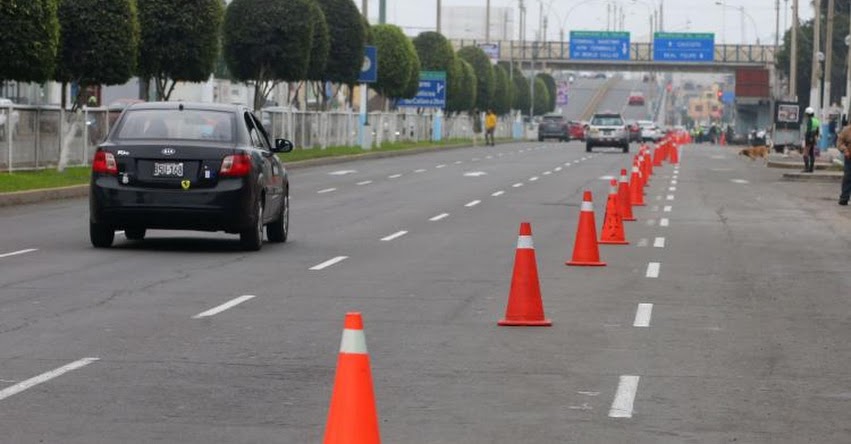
<point>636,98</point>
<point>553,126</point>
<point>9,118</point>
<point>650,132</point>
<point>576,130</point>
<point>607,129</point>
<point>189,166</point>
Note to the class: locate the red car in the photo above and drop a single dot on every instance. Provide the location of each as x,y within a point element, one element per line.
<point>636,98</point>
<point>576,130</point>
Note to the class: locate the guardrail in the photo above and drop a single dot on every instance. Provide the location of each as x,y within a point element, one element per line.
<point>32,137</point>
<point>639,53</point>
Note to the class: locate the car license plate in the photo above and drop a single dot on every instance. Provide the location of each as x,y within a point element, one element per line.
<point>171,169</point>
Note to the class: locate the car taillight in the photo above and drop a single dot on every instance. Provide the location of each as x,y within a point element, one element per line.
<point>104,162</point>
<point>236,165</point>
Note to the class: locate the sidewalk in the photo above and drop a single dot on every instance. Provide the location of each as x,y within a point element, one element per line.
<point>824,167</point>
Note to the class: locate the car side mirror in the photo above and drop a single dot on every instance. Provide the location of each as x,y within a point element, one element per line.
<point>283,146</point>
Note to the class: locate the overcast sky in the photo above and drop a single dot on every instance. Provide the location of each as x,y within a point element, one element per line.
<point>679,15</point>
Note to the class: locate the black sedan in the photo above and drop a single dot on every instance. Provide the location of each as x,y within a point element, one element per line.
<point>186,166</point>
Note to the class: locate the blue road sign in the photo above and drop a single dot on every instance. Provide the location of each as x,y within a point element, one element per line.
<point>432,92</point>
<point>683,47</point>
<point>599,45</point>
<point>369,69</point>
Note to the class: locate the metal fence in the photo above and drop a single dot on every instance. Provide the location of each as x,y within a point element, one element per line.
<point>31,137</point>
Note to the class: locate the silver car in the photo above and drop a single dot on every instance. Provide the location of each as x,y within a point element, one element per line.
<point>607,129</point>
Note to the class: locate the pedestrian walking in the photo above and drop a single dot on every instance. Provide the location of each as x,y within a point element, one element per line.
<point>477,126</point>
<point>490,127</point>
<point>843,142</point>
<point>811,135</point>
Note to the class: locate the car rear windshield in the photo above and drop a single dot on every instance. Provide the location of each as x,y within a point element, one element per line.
<point>553,118</point>
<point>180,125</point>
<point>607,121</point>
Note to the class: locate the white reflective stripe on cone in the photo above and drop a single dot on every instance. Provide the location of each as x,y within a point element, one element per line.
<point>525,242</point>
<point>587,206</point>
<point>353,342</point>
<point>634,169</point>
<point>624,178</point>
<point>613,189</point>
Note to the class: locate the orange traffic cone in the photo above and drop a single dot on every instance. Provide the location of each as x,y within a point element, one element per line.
<point>624,198</point>
<point>645,173</point>
<point>352,417</point>
<point>525,307</point>
<point>657,156</point>
<point>613,232</point>
<point>648,159</point>
<point>586,252</point>
<point>675,155</point>
<point>636,196</point>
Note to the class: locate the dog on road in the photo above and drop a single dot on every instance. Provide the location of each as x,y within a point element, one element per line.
<point>755,151</point>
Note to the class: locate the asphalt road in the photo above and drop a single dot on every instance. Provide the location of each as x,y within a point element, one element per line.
<point>746,340</point>
<point>579,95</point>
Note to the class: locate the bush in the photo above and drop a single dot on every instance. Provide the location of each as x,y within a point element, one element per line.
<point>29,39</point>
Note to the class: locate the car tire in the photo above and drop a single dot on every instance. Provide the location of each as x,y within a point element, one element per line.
<point>251,238</point>
<point>135,233</point>
<point>101,235</point>
<point>278,230</point>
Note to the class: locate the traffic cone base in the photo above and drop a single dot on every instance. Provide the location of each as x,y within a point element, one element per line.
<point>525,307</point>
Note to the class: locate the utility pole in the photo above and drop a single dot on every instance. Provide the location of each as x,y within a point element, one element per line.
<point>523,23</point>
<point>828,57</point>
<point>382,11</point>
<point>793,56</point>
<point>365,8</point>
<point>814,76</point>
<point>487,22</point>
<point>848,69</point>
<point>439,12</point>
<point>776,92</point>
<point>662,15</point>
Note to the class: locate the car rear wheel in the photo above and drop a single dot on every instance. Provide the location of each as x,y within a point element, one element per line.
<point>278,230</point>
<point>135,233</point>
<point>251,239</point>
<point>101,235</point>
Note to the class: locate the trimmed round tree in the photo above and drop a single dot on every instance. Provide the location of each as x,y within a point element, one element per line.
<point>29,38</point>
<point>179,41</point>
<point>267,41</point>
<point>396,57</point>
<point>522,95</point>
<point>542,97</point>
<point>414,80</point>
<point>462,97</point>
<point>552,90</point>
<point>504,91</point>
<point>110,26</point>
<point>485,83</point>
<point>320,44</point>
<point>348,37</point>
<point>434,51</point>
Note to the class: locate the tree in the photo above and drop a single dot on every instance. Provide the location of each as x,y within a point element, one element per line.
<point>542,97</point>
<point>110,26</point>
<point>414,80</point>
<point>462,93</point>
<point>179,41</point>
<point>320,44</point>
<point>348,37</point>
<point>552,90</point>
<point>481,64</point>
<point>434,51</point>
<point>503,92</point>
<point>522,99</point>
<point>267,41</point>
<point>29,38</point>
<point>396,57</point>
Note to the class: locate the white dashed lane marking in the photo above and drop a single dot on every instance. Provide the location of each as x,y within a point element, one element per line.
<point>517,185</point>
<point>395,235</point>
<point>664,222</point>
<point>394,176</point>
<point>642,315</point>
<point>328,263</point>
<point>19,252</point>
<point>227,305</point>
<point>534,178</point>
<point>653,270</point>
<point>473,203</point>
<point>498,193</point>
<point>624,397</point>
<point>44,377</point>
<point>659,242</point>
<point>439,217</point>
<point>326,190</point>
<point>441,166</point>
<point>420,171</point>
<point>365,182</point>
<point>667,208</point>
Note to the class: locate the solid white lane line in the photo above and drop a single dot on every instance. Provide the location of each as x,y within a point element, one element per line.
<point>439,217</point>
<point>498,193</point>
<point>394,176</point>
<point>229,304</point>
<point>517,185</point>
<point>366,182</point>
<point>643,315</point>
<point>624,397</point>
<point>328,263</point>
<point>421,170</point>
<point>664,222</point>
<point>659,242</point>
<point>15,253</point>
<point>44,377</point>
<point>670,197</point>
<point>395,235</point>
<point>533,178</point>
<point>442,165</point>
<point>653,269</point>
<point>326,190</point>
<point>557,169</point>
<point>668,208</point>
<point>473,203</point>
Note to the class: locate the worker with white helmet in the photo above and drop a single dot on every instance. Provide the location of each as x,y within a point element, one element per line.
<point>811,136</point>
